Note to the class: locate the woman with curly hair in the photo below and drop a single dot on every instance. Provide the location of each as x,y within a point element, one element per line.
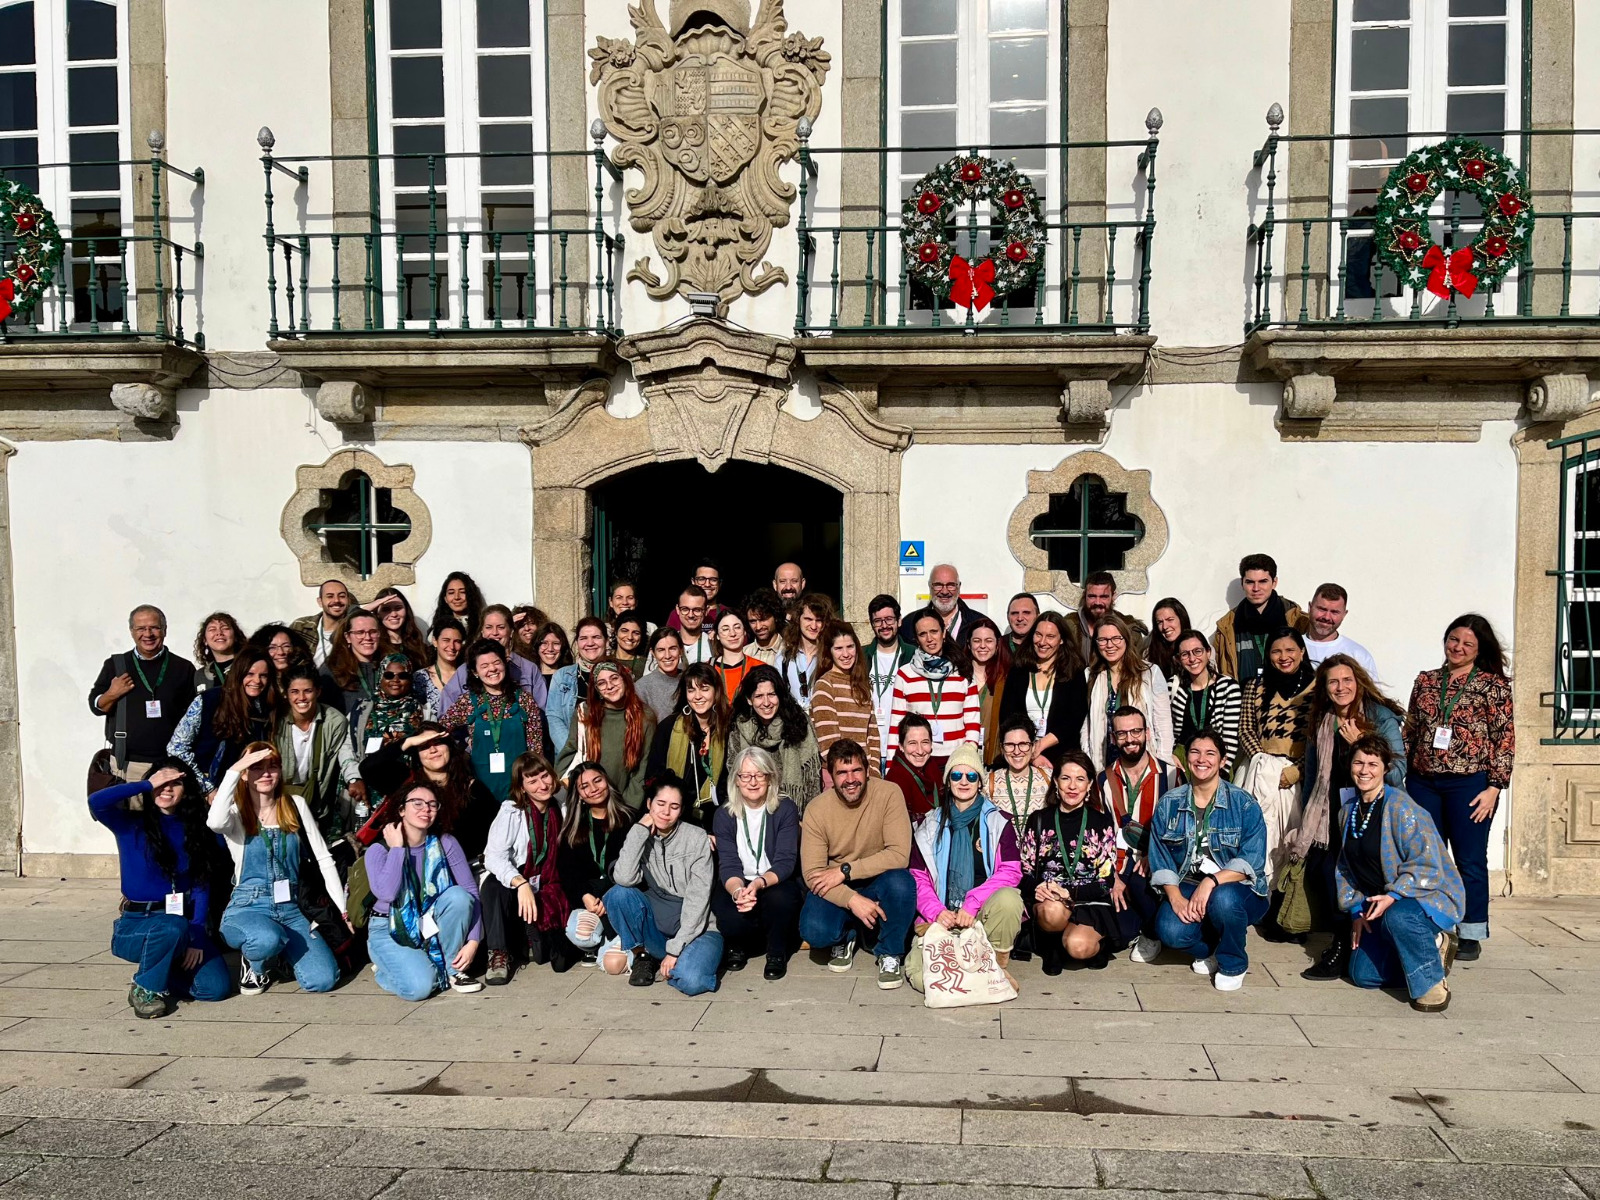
<point>766,715</point>
<point>216,645</point>
<point>500,719</point>
<point>693,744</point>
<point>460,598</point>
<point>401,629</point>
<point>466,807</point>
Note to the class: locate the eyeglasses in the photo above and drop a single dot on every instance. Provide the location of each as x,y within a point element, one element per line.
<point>419,803</point>
<point>702,580</point>
<point>396,675</point>
<point>1017,747</point>
<point>945,587</point>
<point>1123,735</point>
<point>1115,640</point>
<point>965,777</point>
<point>690,610</point>
<point>363,634</point>
<point>749,777</point>
<point>1192,654</point>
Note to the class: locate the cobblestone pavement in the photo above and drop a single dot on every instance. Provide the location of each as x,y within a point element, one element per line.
<point>1128,1082</point>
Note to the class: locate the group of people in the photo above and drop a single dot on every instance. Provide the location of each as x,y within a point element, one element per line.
<point>451,800</point>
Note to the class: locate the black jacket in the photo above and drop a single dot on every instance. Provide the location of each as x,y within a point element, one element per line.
<point>1069,708</point>
<point>908,630</point>
<point>147,736</point>
<point>580,873</point>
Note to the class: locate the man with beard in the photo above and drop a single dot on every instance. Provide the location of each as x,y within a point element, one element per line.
<point>1100,598</point>
<point>944,587</point>
<point>1330,604</point>
<point>1240,642</point>
<point>789,581</point>
<point>333,601</point>
<point>889,654</point>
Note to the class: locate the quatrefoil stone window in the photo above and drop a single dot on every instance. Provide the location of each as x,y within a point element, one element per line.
<point>357,519</point>
<point>1088,514</point>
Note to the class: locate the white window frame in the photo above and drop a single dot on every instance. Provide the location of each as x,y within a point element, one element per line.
<point>1427,93</point>
<point>462,193</point>
<point>973,109</point>
<point>57,311</point>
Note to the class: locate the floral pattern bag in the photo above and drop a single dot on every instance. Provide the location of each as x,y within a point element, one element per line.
<point>959,969</point>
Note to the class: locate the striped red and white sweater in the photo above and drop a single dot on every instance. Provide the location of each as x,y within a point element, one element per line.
<point>950,704</point>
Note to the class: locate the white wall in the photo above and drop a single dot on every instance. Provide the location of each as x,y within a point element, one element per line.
<point>192,526</point>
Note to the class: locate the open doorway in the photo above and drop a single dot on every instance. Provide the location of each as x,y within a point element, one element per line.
<point>651,523</point>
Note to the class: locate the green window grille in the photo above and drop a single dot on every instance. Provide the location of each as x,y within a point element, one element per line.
<point>358,524</point>
<point>1087,529</point>
<point>1577,574</point>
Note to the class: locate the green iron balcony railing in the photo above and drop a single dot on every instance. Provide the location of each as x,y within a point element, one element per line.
<point>1095,276</point>
<point>1312,262</point>
<point>1576,698</point>
<point>115,280</point>
<point>421,261</point>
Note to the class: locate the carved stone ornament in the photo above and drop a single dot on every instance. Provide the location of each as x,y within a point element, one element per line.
<point>315,564</point>
<point>708,112</point>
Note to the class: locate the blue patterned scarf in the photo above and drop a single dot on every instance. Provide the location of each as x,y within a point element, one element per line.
<point>417,897</point>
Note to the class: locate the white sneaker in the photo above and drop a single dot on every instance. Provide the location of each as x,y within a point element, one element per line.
<point>1227,983</point>
<point>250,983</point>
<point>1205,966</point>
<point>465,983</point>
<point>1145,950</point>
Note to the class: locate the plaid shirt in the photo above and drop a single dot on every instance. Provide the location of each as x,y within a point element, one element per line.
<point>1482,738</point>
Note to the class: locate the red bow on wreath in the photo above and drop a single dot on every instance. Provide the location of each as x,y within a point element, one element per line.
<point>8,292</point>
<point>970,283</point>
<point>1459,268</point>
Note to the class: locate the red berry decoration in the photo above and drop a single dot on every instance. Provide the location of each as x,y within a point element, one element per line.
<point>1494,246</point>
<point>929,252</point>
<point>1410,239</point>
<point>1510,204</point>
<point>1018,235</point>
<point>1018,252</point>
<point>929,202</point>
<point>24,273</point>
<point>33,249</point>
<point>1419,181</point>
<point>971,172</point>
<point>1476,168</point>
<point>26,221</point>
<point>1013,199</point>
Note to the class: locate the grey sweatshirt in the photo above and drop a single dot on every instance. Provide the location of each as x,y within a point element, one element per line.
<point>677,874</point>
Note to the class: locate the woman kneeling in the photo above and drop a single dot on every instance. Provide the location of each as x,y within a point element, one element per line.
<point>425,926</point>
<point>965,863</point>
<point>1402,892</point>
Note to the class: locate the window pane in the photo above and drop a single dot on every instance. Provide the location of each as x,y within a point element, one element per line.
<point>411,216</point>
<point>1381,10</point>
<point>505,86</point>
<point>418,86</point>
<point>1019,126</point>
<point>91,30</point>
<point>96,219</point>
<point>415,25</point>
<point>1477,55</point>
<point>1386,115</point>
<point>97,290</point>
<point>502,23</point>
<point>923,17</point>
<point>418,139</point>
<point>1363,190</point>
<point>1380,59</point>
<point>16,35</point>
<point>502,139</point>
<point>92,96</point>
<point>94,148</point>
<point>928,128</point>
<point>928,73</point>
<point>1017,14</point>
<point>1475,112</point>
<point>19,107</point>
<point>20,150</point>
<point>510,212</point>
<point>1017,69</point>
<point>1477,8</point>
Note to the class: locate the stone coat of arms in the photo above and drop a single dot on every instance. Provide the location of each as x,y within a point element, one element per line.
<point>708,113</point>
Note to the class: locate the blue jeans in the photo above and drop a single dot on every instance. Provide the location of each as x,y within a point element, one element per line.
<point>597,940</point>
<point>824,924</point>
<point>1400,950</point>
<point>261,930</point>
<point>696,968</point>
<point>407,971</point>
<point>1448,800</point>
<point>157,942</point>
<point>1230,912</point>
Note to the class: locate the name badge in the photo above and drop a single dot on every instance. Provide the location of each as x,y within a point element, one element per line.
<point>374,744</point>
<point>174,904</point>
<point>1122,840</point>
<point>430,927</point>
<point>533,884</point>
<point>281,893</point>
<point>1208,865</point>
<point>1441,737</point>
<point>152,709</point>
<point>497,764</point>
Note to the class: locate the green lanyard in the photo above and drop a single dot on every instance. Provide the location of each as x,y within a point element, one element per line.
<point>1042,701</point>
<point>882,683</point>
<point>492,723</point>
<point>916,778</point>
<point>138,669</point>
<point>1199,706</point>
<point>1061,842</point>
<point>1447,702</point>
<point>756,847</point>
<point>1131,790</point>
<point>537,851</point>
<point>369,687</point>
<point>1011,798</point>
<point>598,854</point>
<point>1203,817</point>
<point>936,695</point>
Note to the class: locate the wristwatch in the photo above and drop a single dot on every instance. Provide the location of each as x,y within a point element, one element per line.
<point>845,869</point>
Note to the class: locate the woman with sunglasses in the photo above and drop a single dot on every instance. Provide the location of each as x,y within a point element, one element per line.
<point>169,862</point>
<point>425,925</point>
<point>596,825</point>
<point>965,863</point>
<point>395,713</point>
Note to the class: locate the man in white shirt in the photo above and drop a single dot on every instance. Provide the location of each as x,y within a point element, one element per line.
<point>1329,607</point>
<point>691,611</point>
<point>333,599</point>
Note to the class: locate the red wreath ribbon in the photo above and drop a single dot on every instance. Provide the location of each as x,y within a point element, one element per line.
<point>1458,267</point>
<point>970,282</point>
<point>8,292</point>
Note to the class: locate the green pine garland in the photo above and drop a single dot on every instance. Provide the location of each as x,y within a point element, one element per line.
<point>1401,233</point>
<point>938,197</point>
<point>30,233</point>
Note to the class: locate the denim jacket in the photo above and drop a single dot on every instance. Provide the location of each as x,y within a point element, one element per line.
<point>561,703</point>
<point>1238,836</point>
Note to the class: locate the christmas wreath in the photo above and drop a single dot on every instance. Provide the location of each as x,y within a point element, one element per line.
<point>1017,239</point>
<point>27,225</point>
<point>1401,232</point>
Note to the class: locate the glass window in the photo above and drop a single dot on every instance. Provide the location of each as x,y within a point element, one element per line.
<point>415,25</point>
<point>1087,529</point>
<point>91,30</point>
<point>16,35</point>
<point>358,524</point>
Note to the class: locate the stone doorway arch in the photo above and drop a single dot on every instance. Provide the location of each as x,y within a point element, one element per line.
<point>712,393</point>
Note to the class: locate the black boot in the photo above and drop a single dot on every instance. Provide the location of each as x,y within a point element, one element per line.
<point>1335,959</point>
<point>645,967</point>
<point>1468,950</point>
<point>1051,952</point>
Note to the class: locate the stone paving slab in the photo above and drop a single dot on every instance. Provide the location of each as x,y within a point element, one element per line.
<point>129,1180</point>
<point>1582,1069</point>
<point>1335,998</point>
<point>489,1185</point>
<point>108,977</point>
<point>54,1137</point>
<point>337,1076</point>
<point>287,1145</point>
<point>472,1044</point>
<point>1527,1146</point>
<point>1340,1179</point>
<point>771,1189</point>
<point>421,1112</point>
<point>822,1017</point>
<point>752,1157</point>
<point>42,1069</point>
<point>54,951</point>
<point>836,1122</point>
<point>1298,1101</point>
<point>679,1049</point>
<point>597,1082</point>
<point>1243,1029</point>
<point>1053,1093</point>
<point>1437,1032</point>
<point>241,1039</point>
<point>101,1005</point>
<point>1114,1060</point>
<point>530,1010</point>
<point>286,1006</point>
<point>1482,1109</point>
<point>1424,1069</point>
<point>201,1108</point>
<point>926,1162</point>
<point>1284,1178</point>
<point>470,1150</point>
<point>955,1192</point>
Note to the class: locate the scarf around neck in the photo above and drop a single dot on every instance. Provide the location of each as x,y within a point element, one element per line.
<point>960,875</point>
<point>934,666</point>
<point>1269,620</point>
<point>1286,687</point>
<point>417,894</point>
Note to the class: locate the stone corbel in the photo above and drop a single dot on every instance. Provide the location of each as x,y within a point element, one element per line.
<point>1309,397</point>
<point>1087,402</point>
<point>144,401</point>
<point>1558,397</point>
<point>346,402</point>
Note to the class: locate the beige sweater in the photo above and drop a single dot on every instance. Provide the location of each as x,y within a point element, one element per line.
<point>873,836</point>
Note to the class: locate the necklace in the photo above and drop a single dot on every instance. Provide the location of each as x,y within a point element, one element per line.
<point>1370,807</point>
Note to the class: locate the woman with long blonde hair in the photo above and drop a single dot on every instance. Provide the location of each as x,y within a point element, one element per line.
<point>1119,677</point>
<point>269,834</point>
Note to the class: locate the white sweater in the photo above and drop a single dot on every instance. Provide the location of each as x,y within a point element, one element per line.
<point>224,819</point>
<point>1156,705</point>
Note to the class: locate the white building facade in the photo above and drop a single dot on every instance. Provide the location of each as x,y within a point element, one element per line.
<point>476,330</point>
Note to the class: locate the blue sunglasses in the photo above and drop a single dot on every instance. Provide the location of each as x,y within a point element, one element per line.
<point>966,776</point>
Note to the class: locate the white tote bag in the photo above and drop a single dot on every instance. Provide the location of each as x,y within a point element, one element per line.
<point>959,968</point>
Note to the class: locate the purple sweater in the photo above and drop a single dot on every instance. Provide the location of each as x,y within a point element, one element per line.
<point>386,873</point>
